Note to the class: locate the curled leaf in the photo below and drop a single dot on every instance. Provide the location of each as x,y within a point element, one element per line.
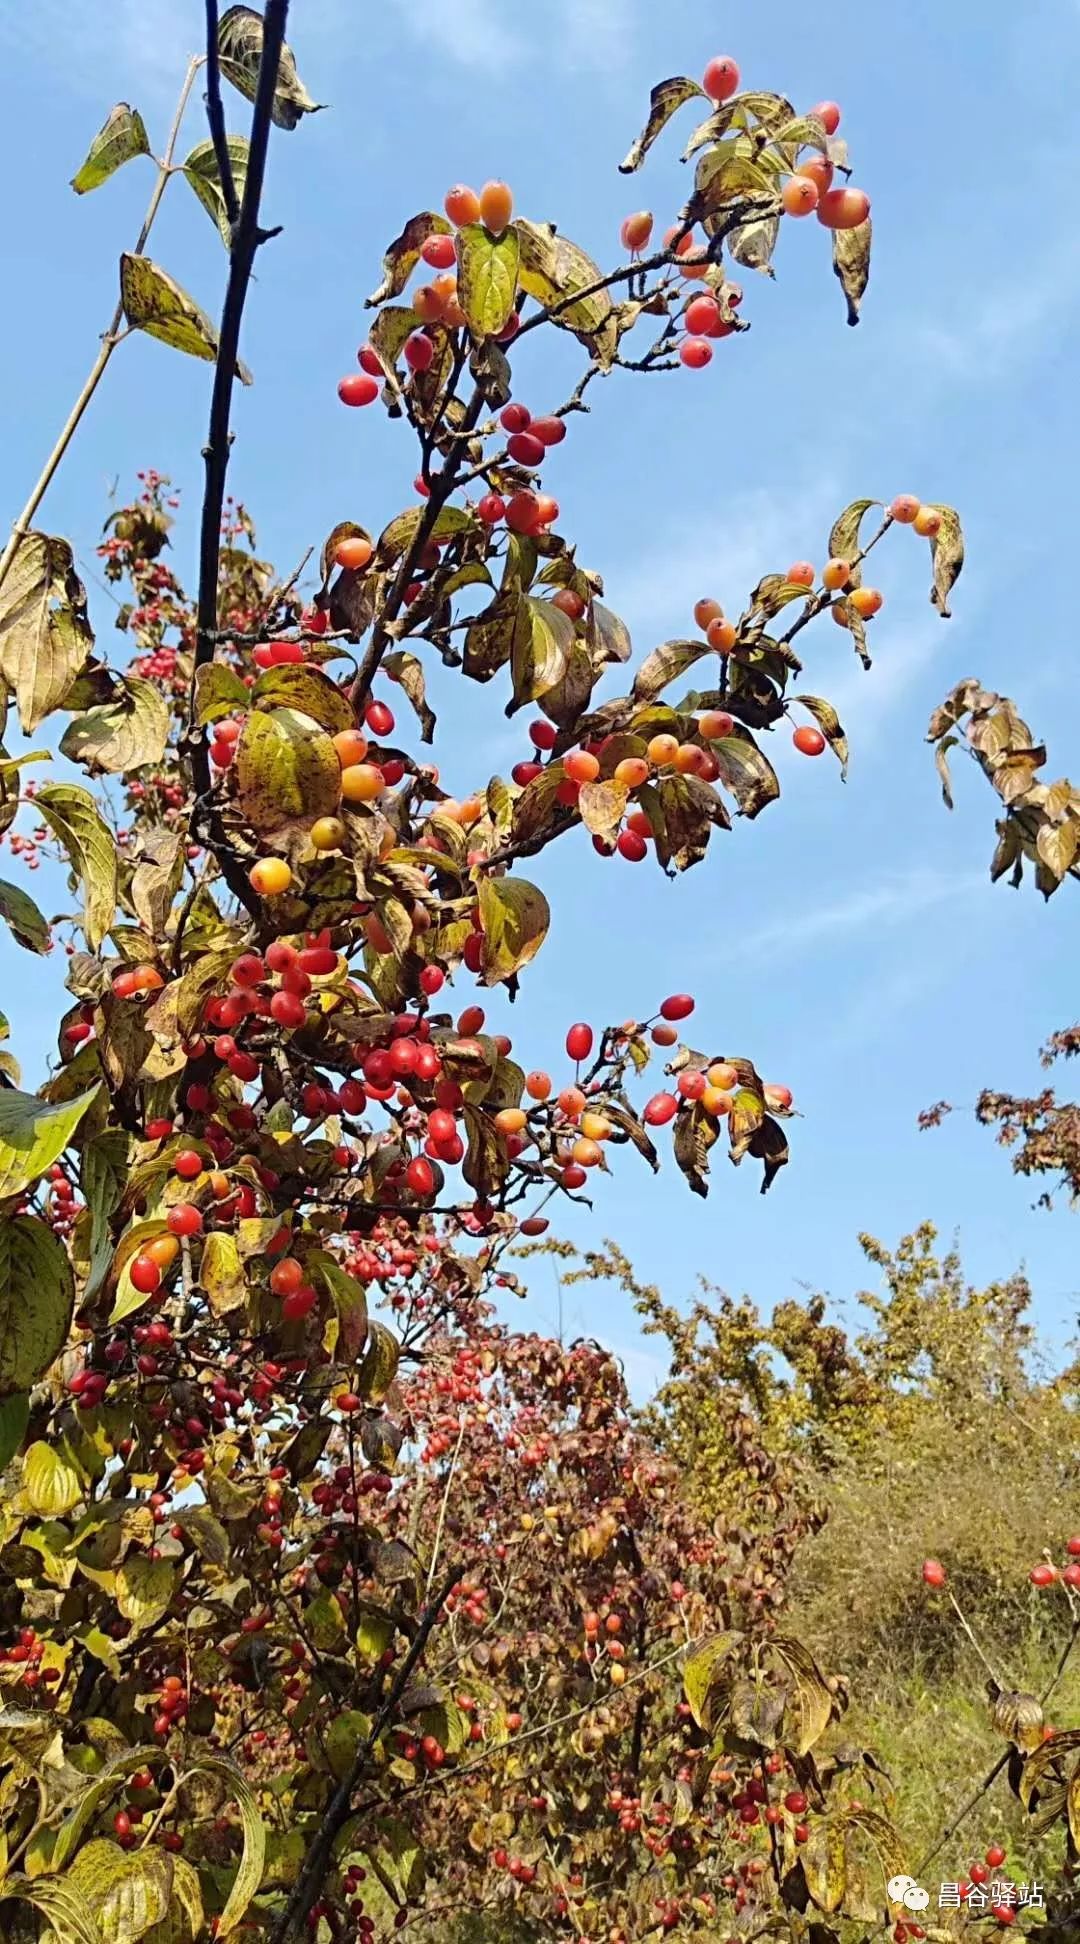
<point>851,263</point>
<point>122,138</point>
<point>665,100</point>
<point>155,303</point>
<point>240,43</point>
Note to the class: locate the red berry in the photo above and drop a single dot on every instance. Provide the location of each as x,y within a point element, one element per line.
<point>695,352</point>
<point>184,1219</point>
<point>661,1108</point>
<point>721,78</point>
<point>359,388</point>
<point>808,741</point>
<point>418,351</point>
<point>188,1164</point>
<point>515,418</point>
<point>933,1572</point>
<point>527,450</point>
<point>679,1006</point>
<point>579,1041</point>
<point>995,1856</point>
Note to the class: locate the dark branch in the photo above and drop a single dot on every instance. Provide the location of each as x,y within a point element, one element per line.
<point>246,237</point>
<point>339,1808</point>
<point>215,114</point>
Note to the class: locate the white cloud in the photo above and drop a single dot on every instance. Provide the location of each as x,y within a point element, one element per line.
<point>895,901</point>
<point>724,556</point>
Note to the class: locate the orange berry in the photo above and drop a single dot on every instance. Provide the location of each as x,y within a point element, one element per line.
<point>723,1076</point>
<point>905,508</point>
<point>802,574</point>
<point>662,749</point>
<point>688,758</point>
<point>327,833</point>
<point>800,196</point>
<point>927,521</point>
<point>636,230</point>
<point>595,1127</point>
<point>496,206</point>
<point>510,1120</point>
<point>538,1084</point>
<point>462,205</point>
<point>722,635</point>
<point>706,611</point>
<point>270,877</point>
<point>835,574</point>
<point>866,601</point>
<point>819,170</point>
<point>715,724</point>
<point>716,1102</point>
<point>633,771</point>
<point>841,209</point>
<point>163,1250</point>
<point>351,746</point>
<point>354,553</point>
<point>582,766</point>
<point>572,1103</point>
<point>808,741</point>
<point>587,1154</point>
<point>362,783</point>
<point>429,304</point>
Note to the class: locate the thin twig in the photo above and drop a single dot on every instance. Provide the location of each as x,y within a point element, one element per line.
<point>110,338</point>
<point>442,1509</point>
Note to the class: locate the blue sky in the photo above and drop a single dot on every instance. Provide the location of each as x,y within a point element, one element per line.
<point>850,940</point>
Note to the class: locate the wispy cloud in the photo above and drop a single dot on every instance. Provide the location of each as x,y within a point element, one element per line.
<point>724,555</point>
<point>896,900</point>
<point>485,35</point>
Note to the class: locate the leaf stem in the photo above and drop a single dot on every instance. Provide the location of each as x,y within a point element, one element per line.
<point>109,341</point>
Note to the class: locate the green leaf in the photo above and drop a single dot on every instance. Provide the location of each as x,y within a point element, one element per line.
<point>115,1771</point>
<point>665,100</point>
<point>218,692</point>
<point>554,271</point>
<point>947,556</point>
<point>343,1737</point>
<point>487,277</point>
<point>601,806</point>
<point>128,733</point>
<point>157,877</point>
<point>542,640</point>
<point>123,137</point>
<point>844,539</point>
<point>665,664</point>
<point>52,1482</point>
<point>155,303</point>
<point>829,723</point>
<point>702,1680</point>
<point>515,919</point>
<point>403,255</point>
<point>746,772</point>
<point>144,1590</point>
<point>70,1919</point>
<point>851,263</point>
<point>240,42</point>
<point>128,1894</point>
<point>201,170</point>
<point>809,1706</point>
<point>824,1862</point>
<point>207,1532</point>
<point>33,1135</point>
<point>398,537</point>
<point>221,1272</point>
<point>307,689</point>
<point>350,1301</point>
<point>378,1366</point>
<point>408,672</point>
<point>45,635</point>
<point>27,923</point>
<point>14,1418</point>
<point>286,770</point>
<point>37,1297</point>
<point>77,824</point>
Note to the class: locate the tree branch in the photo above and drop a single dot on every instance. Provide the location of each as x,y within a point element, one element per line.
<point>339,1808</point>
<point>246,238</point>
<point>215,114</point>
